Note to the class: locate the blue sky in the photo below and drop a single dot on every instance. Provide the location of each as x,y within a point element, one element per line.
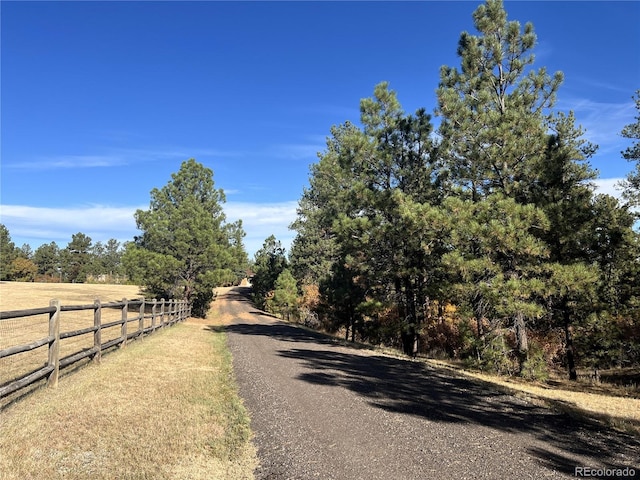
<point>102,101</point>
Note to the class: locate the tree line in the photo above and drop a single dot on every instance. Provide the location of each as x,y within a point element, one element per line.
<point>80,261</point>
<point>185,249</point>
<point>483,239</point>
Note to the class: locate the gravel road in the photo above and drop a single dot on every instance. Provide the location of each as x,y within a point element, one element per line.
<point>320,410</point>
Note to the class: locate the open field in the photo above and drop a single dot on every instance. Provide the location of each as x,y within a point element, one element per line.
<point>162,408</point>
<point>22,331</point>
<point>23,295</point>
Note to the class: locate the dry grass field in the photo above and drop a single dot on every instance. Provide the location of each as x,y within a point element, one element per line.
<point>165,407</point>
<point>23,295</point>
<point>24,330</point>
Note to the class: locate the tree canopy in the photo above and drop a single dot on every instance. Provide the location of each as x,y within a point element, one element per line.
<point>484,240</point>
<point>186,249</point>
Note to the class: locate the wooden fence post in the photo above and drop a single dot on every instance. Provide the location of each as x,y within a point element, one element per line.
<point>141,320</point>
<point>54,344</point>
<point>123,328</point>
<point>153,315</point>
<point>97,335</point>
<point>162,313</point>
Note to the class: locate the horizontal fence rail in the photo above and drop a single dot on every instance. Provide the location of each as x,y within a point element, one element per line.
<point>138,318</point>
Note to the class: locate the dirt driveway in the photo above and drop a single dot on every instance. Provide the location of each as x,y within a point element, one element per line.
<point>324,411</point>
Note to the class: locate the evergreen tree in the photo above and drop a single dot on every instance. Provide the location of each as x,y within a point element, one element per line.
<point>495,119</point>
<point>285,294</point>
<point>270,261</point>
<point>239,258</point>
<point>564,192</point>
<point>632,131</point>
<point>316,248</point>
<point>494,108</point>
<point>76,258</point>
<point>47,259</point>
<point>184,250</point>
<point>7,253</point>
<point>498,261</point>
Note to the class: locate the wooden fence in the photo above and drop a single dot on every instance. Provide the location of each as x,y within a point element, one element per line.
<point>149,316</point>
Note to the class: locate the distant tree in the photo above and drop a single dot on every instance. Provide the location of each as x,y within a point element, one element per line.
<point>269,263</point>
<point>632,131</point>
<point>184,250</point>
<point>25,251</point>
<point>7,252</point>
<point>239,257</point>
<point>285,294</point>
<point>97,266</point>
<point>23,270</point>
<point>76,258</point>
<point>47,258</point>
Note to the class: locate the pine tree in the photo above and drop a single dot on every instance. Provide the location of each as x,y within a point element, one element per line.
<point>76,258</point>
<point>47,259</point>
<point>632,131</point>
<point>7,252</point>
<point>285,294</point>
<point>184,250</point>
<point>493,109</point>
<point>269,262</point>
<point>495,119</point>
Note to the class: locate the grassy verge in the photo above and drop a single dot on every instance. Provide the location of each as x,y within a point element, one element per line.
<point>621,413</point>
<point>162,408</point>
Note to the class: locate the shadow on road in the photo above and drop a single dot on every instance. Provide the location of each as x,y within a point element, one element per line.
<point>280,330</point>
<point>413,388</point>
<point>237,294</point>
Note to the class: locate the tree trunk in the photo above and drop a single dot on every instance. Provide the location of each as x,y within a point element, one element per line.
<point>478,312</point>
<point>522,342</point>
<point>571,365</point>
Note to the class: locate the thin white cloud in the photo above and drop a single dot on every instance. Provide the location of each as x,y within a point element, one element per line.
<point>602,121</point>
<point>261,220</point>
<point>37,225</point>
<point>298,151</point>
<point>115,157</point>
<point>58,162</point>
<point>609,186</point>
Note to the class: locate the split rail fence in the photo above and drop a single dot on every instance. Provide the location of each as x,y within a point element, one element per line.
<point>51,345</point>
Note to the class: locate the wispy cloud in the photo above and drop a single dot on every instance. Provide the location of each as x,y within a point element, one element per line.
<point>297,151</point>
<point>263,219</point>
<point>37,225</point>
<point>57,162</point>
<point>115,157</point>
<point>602,121</point>
<point>609,186</point>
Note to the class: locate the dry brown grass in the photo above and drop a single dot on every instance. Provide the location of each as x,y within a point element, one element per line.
<point>619,412</point>
<point>162,408</point>
<point>23,295</point>
<point>21,331</point>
